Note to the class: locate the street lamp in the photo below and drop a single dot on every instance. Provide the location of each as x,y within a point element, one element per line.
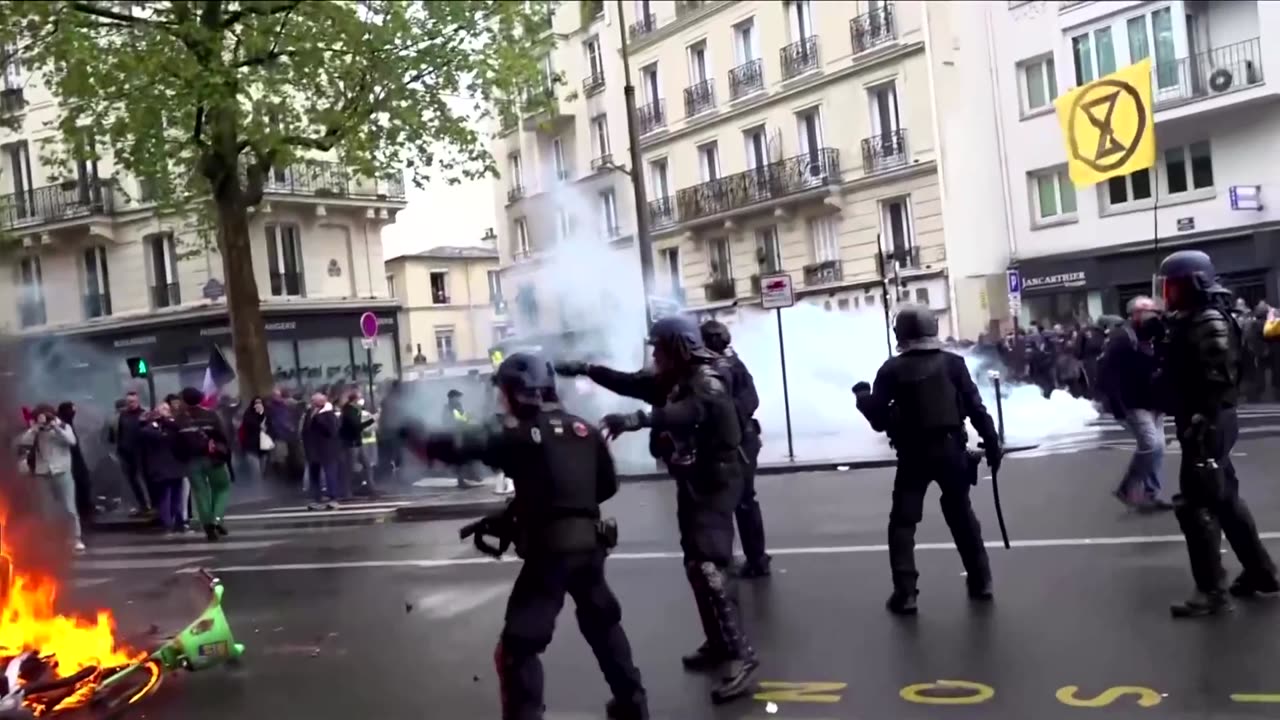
<point>643,243</point>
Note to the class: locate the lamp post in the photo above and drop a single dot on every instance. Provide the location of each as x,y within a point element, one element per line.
<point>643,242</point>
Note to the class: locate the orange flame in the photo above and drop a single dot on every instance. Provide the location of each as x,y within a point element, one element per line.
<point>29,622</point>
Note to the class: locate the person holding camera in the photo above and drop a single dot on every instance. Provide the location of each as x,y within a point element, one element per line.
<point>51,440</point>
<point>159,445</point>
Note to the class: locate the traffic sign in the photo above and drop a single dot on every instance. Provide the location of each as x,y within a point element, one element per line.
<point>776,291</point>
<point>1015,281</point>
<point>369,325</point>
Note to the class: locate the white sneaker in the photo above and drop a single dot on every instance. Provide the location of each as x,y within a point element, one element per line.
<point>79,548</point>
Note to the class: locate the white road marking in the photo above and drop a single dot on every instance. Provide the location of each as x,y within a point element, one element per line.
<point>310,514</point>
<point>139,563</point>
<point>445,604</point>
<point>180,547</point>
<point>831,550</point>
<point>368,505</point>
<point>88,582</point>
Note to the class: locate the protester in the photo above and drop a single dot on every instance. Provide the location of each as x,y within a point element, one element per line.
<point>203,444</point>
<point>323,449</point>
<point>126,437</point>
<point>79,468</point>
<point>159,443</point>
<point>50,441</point>
<point>255,437</point>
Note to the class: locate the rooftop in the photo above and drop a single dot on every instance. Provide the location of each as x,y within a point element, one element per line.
<point>450,252</point>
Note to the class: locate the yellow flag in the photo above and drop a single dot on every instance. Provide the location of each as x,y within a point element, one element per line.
<point>1108,126</point>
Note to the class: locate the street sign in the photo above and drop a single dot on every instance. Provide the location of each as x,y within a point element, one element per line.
<point>1015,281</point>
<point>1246,197</point>
<point>369,343</point>
<point>369,325</point>
<point>776,291</point>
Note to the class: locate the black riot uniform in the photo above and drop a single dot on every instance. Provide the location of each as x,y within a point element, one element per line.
<point>694,430</point>
<point>715,335</point>
<point>1199,377</point>
<point>921,399</point>
<point>562,471</point>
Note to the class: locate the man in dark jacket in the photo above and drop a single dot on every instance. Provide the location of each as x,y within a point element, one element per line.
<point>159,441</point>
<point>79,468</point>
<point>323,448</point>
<point>1128,371</point>
<point>205,445</point>
<point>354,424</point>
<point>128,424</point>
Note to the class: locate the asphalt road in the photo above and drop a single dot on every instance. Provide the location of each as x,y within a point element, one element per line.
<point>399,620</point>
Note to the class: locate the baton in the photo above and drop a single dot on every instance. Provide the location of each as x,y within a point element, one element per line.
<point>995,483</point>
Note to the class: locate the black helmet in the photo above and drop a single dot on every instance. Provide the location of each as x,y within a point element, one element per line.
<point>715,335</point>
<point>679,336</point>
<point>526,378</point>
<point>916,328</point>
<point>1187,276</point>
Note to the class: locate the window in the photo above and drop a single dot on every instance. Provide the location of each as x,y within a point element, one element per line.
<point>1094,55</point>
<point>1054,195</point>
<point>768,253</point>
<point>809,127</point>
<point>440,287</point>
<point>895,231</point>
<point>649,83</point>
<point>822,239</point>
<point>163,267</point>
<point>745,41</point>
<point>800,14</point>
<point>391,285</point>
<point>564,225</point>
<point>609,214</point>
<point>18,155</point>
<point>922,296</point>
<point>600,130</point>
<point>97,283</point>
<point>594,65</point>
<point>756,145</point>
<point>658,185</point>
<point>12,68</point>
<point>709,161</point>
<point>699,67</point>
<point>1039,82</point>
<point>495,286</point>
<point>718,256</point>
<point>445,352</point>
<point>884,108</point>
<point>557,159</point>
<point>1178,160</point>
<point>1159,25</point>
<point>284,260</point>
<point>30,282</point>
<point>517,171</point>
<point>671,268</point>
<point>1129,188</point>
<point>522,239</point>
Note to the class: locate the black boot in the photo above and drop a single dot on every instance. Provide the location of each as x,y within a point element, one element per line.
<point>902,602</point>
<point>634,709</point>
<point>222,529</point>
<point>1248,585</point>
<point>704,659</point>
<point>757,568</point>
<point>1201,605</point>
<point>738,680</point>
<point>981,591</point>
<point>1204,551</point>
<point>211,532</point>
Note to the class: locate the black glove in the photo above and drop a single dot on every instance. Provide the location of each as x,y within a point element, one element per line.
<point>572,369</point>
<point>862,388</point>
<point>617,423</point>
<point>994,453</point>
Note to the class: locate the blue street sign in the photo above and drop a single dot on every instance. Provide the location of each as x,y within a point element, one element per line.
<point>1015,281</point>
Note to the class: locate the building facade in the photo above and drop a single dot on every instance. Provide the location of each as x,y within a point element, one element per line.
<point>91,261</point>
<point>791,137</point>
<point>1085,252</point>
<point>452,308</point>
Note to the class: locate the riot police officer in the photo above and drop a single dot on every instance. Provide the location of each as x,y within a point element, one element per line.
<point>715,335</point>
<point>694,430</point>
<point>921,398</point>
<point>562,471</point>
<point>1200,373</point>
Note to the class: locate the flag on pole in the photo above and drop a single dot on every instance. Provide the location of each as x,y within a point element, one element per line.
<point>1108,125</point>
<point>216,376</point>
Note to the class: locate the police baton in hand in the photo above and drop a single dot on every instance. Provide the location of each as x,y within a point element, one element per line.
<point>995,471</point>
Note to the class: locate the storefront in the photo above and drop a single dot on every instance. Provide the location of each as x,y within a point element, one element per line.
<point>307,349</point>
<point>1071,287</point>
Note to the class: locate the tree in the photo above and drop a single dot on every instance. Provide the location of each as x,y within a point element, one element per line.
<point>201,98</point>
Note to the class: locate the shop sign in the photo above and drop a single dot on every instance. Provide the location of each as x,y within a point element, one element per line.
<point>1246,197</point>
<point>1053,282</point>
<point>135,341</point>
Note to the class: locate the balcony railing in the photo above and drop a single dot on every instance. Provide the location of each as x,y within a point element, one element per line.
<point>439,297</point>
<point>12,100</point>
<point>662,212</point>
<point>522,253</point>
<point>1214,72</point>
<point>562,174</point>
<point>903,258</point>
<point>720,288</point>
<point>652,116</point>
<point>769,182</point>
<point>884,151</point>
<point>799,57</point>
<point>31,311</point>
<point>601,161</point>
<point>823,273</point>
<point>593,83</point>
<point>643,26</point>
<point>97,304</point>
<point>514,193</point>
<point>330,179</point>
<point>872,28</point>
<point>166,295</point>
<point>746,79</point>
<point>52,203</point>
<point>699,98</point>
<point>287,284</point>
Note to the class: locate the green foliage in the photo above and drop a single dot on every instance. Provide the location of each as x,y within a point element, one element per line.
<point>589,10</point>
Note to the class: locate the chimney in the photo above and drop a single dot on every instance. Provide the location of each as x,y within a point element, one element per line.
<point>490,239</point>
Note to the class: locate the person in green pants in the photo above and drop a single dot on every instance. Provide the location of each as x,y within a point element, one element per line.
<point>205,445</point>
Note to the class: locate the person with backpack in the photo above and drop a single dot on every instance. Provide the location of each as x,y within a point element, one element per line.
<point>204,447</point>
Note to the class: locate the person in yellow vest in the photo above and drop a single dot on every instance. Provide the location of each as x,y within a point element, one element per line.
<point>456,417</point>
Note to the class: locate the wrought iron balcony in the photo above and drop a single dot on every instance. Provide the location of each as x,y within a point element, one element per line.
<point>287,284</point>
<point>31,310</point>
<point>746,79</point>
<point>163,296</point>
<point>97,304</point>
<point>699,98</point>
<point>54,203</point>
<point>601,161</point>
<point>1213,72</point>
<point>823,273</point>
<point>662,213</point>
<point>902,258</point>
<point>330,179</point>
<point>720,288</point>
<point>872,28</point>
<point>791,176</point>
<point>799,57</point>
<point>563,174</point>
<point>514,193</point>
<point>12,100</point>
<point>884,151</point>
<point>643,26</point>
<point>652,116</point>
<point>521,253</point>
<point>593,83</point>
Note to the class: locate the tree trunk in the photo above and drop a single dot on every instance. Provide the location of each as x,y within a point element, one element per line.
<point>253,369</point>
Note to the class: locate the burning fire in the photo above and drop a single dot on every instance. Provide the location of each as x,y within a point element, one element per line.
<point>58,660</point>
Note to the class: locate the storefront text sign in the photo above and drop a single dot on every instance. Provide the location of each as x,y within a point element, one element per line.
<point>1061,280</point>
<point>135,341</point>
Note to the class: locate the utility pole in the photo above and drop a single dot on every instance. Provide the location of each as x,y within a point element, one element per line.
<point>643,243</point>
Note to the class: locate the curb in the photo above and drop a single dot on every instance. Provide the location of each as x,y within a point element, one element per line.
<point>147,527</point>
<point>447,510</point>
